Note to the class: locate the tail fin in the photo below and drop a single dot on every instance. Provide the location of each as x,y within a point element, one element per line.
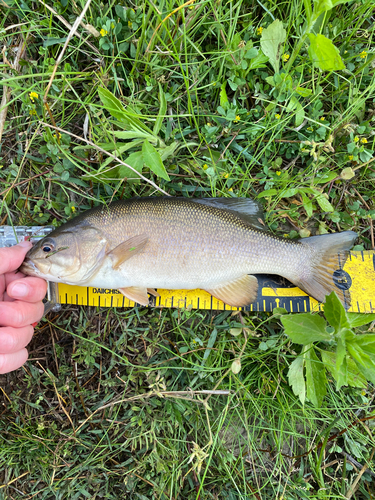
<point>327,256</point>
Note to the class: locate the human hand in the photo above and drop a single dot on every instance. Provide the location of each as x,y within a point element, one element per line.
<point>20,306</point>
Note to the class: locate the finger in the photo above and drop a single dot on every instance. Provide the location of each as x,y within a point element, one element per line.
<point>14,339</point>
<point>11,258</point>
<point>2,287</point>
<point>19,313</point>
<point>10,362</point>
<point>28,289</point>
<point>12,276</point>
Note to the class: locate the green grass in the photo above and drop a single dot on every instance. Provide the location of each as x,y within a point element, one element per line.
<point>89,416</point>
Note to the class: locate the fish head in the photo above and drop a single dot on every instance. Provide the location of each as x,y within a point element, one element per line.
<point>69,256</point>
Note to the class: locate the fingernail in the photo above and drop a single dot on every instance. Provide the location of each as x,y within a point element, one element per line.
<point>24,244</point>
<point>20,290</point>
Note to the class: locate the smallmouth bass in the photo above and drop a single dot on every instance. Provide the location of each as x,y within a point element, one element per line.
<point>142,244</point>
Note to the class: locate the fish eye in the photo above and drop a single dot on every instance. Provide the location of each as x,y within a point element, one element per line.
<point>48,246</point>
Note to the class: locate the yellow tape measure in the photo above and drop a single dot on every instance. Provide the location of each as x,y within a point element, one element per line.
<point>357,277</point>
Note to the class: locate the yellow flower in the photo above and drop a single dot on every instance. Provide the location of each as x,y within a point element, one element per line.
<point>32,112</point>
<point>103,32</point>
<point>130,24</point>
<point>214,84</point>
<point>285,57</point>
<point>277,116</point>
<point>57,135</point>
<point>237,119</point>
<point>259,30</point>
<point>205,166</point>
<point>364,140</point>
<point>363,54</point>
<point>73,209</point>
<point>230,190</point>
<point>209,124</point>
<point>226,175</point>
<point>322,118</point>
<point>278,172</point>
<point>33,95</point>
<point>350,157</point>
<point>113,26</point>
<point>356,138</point>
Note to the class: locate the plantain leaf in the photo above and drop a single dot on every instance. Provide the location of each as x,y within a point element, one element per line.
<point>271,43</point>
<point>127,116</point>
<point>111,103</point>
<point>324,54</point>
<point>135,160</point>
<point>153,161</point>
<point>119,150</point>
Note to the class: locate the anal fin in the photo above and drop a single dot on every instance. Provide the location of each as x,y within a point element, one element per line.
<point>136,294</point>
<point>240,292</point>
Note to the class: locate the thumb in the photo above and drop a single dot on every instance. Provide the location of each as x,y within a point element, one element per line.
<point>11,258</point>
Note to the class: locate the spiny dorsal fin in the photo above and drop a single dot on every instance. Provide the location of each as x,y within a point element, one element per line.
<point>245,208</point>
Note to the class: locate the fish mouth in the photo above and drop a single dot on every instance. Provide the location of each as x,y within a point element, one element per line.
<point>29,268</point>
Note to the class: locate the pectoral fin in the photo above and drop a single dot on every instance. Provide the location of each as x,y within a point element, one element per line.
<point>240,292</point>
<point>136,294</point>
<point>127,249</point>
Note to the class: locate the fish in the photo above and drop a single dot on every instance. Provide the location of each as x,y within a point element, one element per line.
<point>218,245</point>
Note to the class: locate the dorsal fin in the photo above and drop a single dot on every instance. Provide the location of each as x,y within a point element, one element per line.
<point>246,208</point>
